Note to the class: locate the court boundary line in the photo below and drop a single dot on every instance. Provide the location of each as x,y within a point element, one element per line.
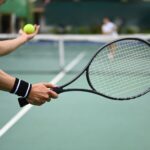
<point>56,79</point>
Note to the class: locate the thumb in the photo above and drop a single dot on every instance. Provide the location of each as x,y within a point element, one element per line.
<point>49,85</point>
<point>36,29</point>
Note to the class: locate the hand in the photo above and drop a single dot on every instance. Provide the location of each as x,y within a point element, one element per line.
<point>40,93</point>
<point>28,37</point>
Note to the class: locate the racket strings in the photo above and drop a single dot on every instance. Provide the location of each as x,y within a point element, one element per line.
<point>122,68</point>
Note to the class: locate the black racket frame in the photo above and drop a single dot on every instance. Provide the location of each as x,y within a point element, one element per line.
<point>60,89</point>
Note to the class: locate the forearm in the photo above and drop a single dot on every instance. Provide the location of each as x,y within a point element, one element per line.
<point>8,46</point>
<point>6,81</point>
<point>14,85</point>
<point>37,94</point>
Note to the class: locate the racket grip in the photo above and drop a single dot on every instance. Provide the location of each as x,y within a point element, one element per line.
<point>22,101</point>
<point>58,90</point>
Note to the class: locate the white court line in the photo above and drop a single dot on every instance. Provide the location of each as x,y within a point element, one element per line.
<point>25,109</point>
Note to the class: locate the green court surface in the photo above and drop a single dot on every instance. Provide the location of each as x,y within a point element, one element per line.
<point>74,121</point>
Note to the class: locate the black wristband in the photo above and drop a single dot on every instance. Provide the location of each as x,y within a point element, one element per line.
<point>21,88</point>
<point>15,86</point>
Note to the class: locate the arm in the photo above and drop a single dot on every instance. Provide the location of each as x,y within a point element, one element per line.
<point>39,94</point>
<point>6,81</point>
<point>9,46</point>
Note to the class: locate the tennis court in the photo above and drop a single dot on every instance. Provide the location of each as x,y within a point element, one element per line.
<point>75,120</point>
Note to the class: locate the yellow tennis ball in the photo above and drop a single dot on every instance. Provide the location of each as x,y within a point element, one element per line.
<point>29,29</point>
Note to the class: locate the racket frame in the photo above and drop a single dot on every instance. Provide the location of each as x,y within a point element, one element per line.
<point>60,89</point>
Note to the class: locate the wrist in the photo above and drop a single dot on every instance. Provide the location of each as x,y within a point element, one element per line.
<point>21,88</point>
<point>22,39</point>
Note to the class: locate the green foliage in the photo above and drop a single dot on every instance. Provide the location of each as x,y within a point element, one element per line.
<point>130,29</point>
<point>95,30</point>
<point>75,30</point>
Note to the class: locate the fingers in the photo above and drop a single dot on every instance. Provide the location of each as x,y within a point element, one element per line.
<point>41,93</point>
<point>52,94</point>
<point>21,31</point>
<point>36,102</point>
<point>29,36</point>
<point>37,27</point>
<point>49,85</point>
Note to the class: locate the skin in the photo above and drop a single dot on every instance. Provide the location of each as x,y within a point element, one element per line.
<point>40,92</point>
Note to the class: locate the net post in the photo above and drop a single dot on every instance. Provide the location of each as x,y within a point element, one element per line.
<point>61,53</point>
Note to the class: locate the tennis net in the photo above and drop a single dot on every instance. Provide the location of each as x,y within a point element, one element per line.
<point>51,53</point>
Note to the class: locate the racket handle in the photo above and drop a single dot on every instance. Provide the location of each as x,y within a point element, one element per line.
<point>58,90</point>
<point>22,101</point>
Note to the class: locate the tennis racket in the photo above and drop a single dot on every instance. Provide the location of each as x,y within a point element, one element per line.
<point>120,70</point>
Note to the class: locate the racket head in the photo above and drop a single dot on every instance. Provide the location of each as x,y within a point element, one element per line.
<point>103,67</point>
<point>120,70</point>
